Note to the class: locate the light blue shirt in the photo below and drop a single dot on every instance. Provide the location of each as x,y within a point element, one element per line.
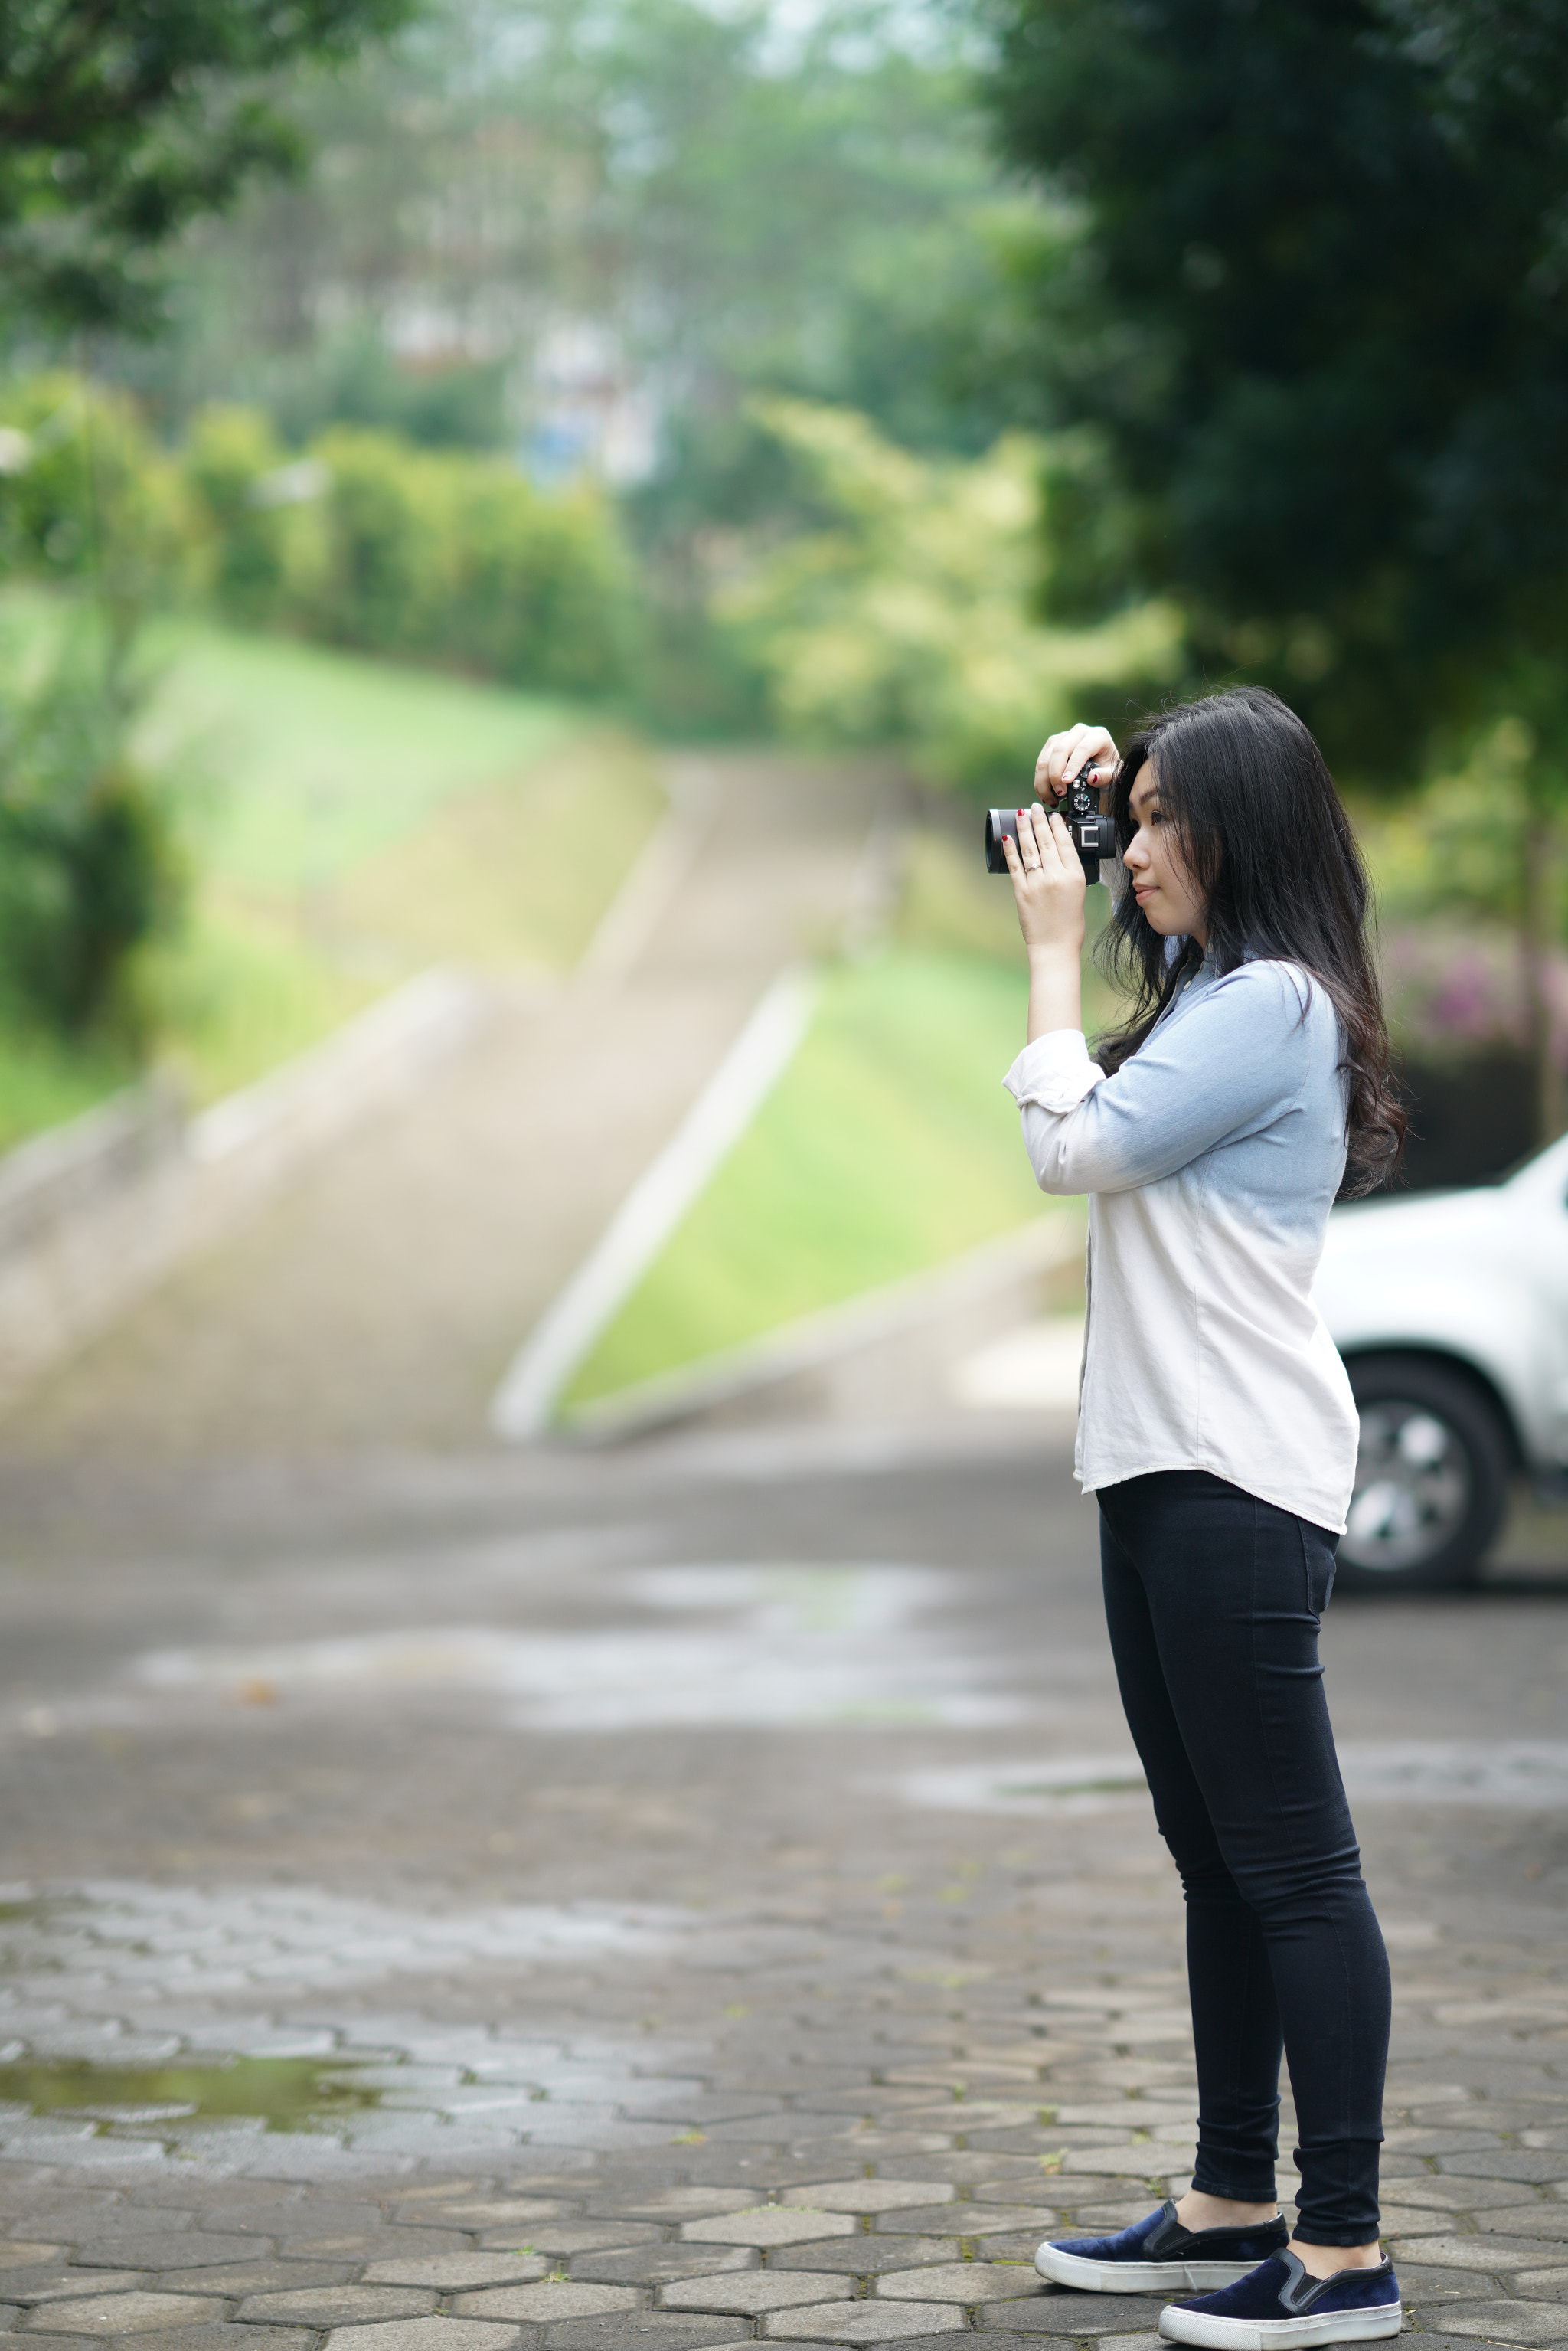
<point>1211,1159</point>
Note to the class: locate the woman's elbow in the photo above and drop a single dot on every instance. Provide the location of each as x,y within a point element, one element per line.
<point>1060,1179</point>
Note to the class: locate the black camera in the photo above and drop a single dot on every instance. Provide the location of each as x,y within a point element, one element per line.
<point>1093,835</point>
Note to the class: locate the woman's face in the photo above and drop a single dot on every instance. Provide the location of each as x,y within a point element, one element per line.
<point>1161,882</point>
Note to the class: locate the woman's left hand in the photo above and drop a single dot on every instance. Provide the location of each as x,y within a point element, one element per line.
<point>1049,882</point>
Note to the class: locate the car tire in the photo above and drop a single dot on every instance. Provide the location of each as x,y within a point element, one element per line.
<point>1431,1484</point>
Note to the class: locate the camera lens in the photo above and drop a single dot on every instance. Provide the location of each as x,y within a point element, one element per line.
<point>999,823</point>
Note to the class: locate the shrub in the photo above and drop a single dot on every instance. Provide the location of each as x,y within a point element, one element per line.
<point>370,542</point>
<point>231,456</point>
<point>87,871</point>
<point>85,493</point>
<point>543,595</point>
<point>385,547</point>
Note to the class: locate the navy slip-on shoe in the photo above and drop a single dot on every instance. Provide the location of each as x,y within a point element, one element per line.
<point>1282,2304</point>
<point>1159,2256</point>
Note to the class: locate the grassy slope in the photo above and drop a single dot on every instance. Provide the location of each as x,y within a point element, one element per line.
<point>888,1145</point>
<point>348,822</point>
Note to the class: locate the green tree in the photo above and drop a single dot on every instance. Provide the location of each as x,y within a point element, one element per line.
<point>907,618</point>
<point>1314,308</point>
<point>118,125</point>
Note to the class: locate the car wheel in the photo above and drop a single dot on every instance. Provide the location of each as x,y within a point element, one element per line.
<point>1431,1477</point>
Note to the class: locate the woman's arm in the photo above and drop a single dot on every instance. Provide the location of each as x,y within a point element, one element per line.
<point>1236,1060</point>
<point>1049,887</point>
<point>1049,882</point>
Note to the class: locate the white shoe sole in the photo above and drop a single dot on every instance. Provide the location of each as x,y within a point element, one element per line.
<point>1280,2333</point>
<point>1137,2277</point>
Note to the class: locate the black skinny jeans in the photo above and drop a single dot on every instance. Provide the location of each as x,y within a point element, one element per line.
<point>1213,1600</point>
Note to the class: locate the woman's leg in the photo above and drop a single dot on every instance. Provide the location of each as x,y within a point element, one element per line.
<point>1237,2037</point>
<point>1234,1588</point>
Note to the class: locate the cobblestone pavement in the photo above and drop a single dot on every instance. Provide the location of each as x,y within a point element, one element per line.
<point>686,1897</point>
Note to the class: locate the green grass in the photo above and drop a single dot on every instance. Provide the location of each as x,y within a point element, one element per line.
<point>347,822</point>
<point>303,763</point>
<point>888,1147</point>
<point>44,1083</point>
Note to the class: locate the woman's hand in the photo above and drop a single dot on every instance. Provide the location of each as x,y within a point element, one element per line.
<point>1049,885</point>
<point>1064,757</point>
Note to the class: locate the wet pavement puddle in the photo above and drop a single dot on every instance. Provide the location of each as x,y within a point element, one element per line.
<point>778,1646</point>
<point>286,2094</point>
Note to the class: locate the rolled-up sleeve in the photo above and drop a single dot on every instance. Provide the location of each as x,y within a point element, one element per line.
<point>1239,1054</point>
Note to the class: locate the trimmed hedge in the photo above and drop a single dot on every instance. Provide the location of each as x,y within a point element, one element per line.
<point>370,543</point>
<point>363,540</point>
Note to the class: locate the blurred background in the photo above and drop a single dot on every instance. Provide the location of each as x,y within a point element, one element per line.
<point>453,452</point>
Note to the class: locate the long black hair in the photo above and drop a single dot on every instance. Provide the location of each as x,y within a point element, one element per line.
<point>1271,855</point>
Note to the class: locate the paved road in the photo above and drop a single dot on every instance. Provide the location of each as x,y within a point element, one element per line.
<point>717,1870</point>
<point>459,1900</point>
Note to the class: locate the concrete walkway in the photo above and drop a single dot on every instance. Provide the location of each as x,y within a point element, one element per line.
<point>377,1305</point>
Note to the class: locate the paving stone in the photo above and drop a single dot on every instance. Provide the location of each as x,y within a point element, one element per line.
<point>1511,2322</point>
<point>656,2265</point>
<point>51,2285</point>
<point>859,2256</point>
<point>654,2330</point>
<point>565,2298</point>
<point>423,2334</point>
<point>323,2215</point>
<point>1467,2252</point>
<point>496,2211</point>
<point>978,2220</point>
<point>52,2341</point>
<point>340,2306</point>
<point>671,2203</point>
<point>1544,2165</point>
<point>1527,2220</point>
<point>1410,2222</point>
<point>769,2224</point>
<point>236,2278</point>
<point>125,2313</point>
<point>1076,2314</point>
<point>220,2338</point>
<point>752,2292</point>
<point>562,2239</point>
<point>1448,2194</point>
<point>1551,2285</point>
<point>868,2195</point>
<point>18,2253</point>
<point>1418,2283</point>
<point>863,2321</point>
<point>1435,2339</point>
<point>452,2273</point>
<point>974,2167</point>
<point>174,2251</point>
<point>966,2281</point>
<point>923,2219</point>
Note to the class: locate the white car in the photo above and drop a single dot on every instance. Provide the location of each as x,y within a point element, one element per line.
<point>1451,1309</point>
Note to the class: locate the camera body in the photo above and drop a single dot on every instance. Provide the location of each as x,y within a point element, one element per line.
<point>1093,835</point>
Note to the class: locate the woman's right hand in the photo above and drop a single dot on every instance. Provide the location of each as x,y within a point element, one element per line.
<point>1065,755</point>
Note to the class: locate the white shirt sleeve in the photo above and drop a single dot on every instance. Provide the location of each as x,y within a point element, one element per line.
<point>1237,1058</point>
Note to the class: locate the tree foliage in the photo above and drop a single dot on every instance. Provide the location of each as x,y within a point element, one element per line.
<point>1316,310</point>
<point>904,616</point>
<point>121,124</point>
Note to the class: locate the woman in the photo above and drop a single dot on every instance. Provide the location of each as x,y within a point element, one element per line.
<point>1217,1431</point>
